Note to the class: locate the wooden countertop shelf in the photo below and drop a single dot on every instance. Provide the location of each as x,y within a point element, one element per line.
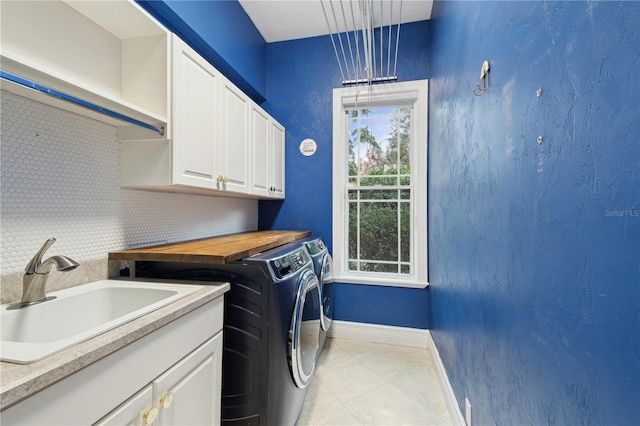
<point>223,249</point>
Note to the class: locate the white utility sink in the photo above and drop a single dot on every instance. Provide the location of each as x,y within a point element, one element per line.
<point>80,313</point>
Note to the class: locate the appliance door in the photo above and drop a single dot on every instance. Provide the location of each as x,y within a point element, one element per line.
<point>326,291</point>
<point>305,330</point>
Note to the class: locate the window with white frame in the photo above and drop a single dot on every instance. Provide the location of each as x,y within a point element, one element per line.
<point>380,184</point>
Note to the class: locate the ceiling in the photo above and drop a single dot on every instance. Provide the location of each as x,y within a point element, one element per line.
<point>279,20</point>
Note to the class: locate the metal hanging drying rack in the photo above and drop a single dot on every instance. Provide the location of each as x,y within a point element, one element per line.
<point>361,25</point>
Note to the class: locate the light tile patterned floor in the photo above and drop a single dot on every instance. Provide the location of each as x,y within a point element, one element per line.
<point>362,383</point>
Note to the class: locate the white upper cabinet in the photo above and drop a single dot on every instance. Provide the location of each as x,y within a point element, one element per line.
<point>222,142</point>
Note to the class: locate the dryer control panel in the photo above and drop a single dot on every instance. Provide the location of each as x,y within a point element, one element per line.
<point>316,246</point>
<point>290,263</point>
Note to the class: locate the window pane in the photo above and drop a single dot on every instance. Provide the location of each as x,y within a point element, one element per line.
<point>404,134</point>
<point>405,232</point>
<point>353,230</point>
<point>378,231</point>
<point>378,194</point>
<point>379,141</point>
<point>379,267</point>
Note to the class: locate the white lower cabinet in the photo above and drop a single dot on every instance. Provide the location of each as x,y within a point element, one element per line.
<point>186,394</point>
<point>172,376</point>
<point>136,411</point>
<point>189,393</point>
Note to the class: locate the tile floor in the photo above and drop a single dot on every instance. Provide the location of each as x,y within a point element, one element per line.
<point>363,383</point>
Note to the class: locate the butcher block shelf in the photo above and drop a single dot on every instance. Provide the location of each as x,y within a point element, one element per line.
<point>224,249</point>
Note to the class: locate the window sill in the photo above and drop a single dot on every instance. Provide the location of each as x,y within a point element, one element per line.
<point>385,282</point>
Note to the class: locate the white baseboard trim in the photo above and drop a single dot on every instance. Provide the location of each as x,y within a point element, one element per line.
<point>449,397</point>
<point>401,336</point>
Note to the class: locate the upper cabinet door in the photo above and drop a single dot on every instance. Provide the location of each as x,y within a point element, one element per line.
<point>234,144</point>
<point>277,160</point>
<point>267,145</point>
<point>260,152</point>
<point>195,97</point>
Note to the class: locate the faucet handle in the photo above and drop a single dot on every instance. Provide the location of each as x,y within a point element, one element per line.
<point>37,259</point>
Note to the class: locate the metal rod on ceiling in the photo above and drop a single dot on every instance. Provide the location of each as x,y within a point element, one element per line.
<point>357,40</point>
<point>389,37</point>
<point>368,57</point>
<point>395,64</point>
<point>346,32</point>
<point>381,44</point>
<point>335,49</point>
<point>335,19</point>
<point>367,65</point>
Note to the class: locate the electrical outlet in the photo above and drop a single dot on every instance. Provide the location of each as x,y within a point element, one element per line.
<point>467,411</point>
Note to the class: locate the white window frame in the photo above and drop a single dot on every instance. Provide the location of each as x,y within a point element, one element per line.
<point>409,93</point>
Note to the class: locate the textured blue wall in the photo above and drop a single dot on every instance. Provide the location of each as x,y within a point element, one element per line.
<point>535,248</point>
<point>301,77</point>
<point>221,32</point>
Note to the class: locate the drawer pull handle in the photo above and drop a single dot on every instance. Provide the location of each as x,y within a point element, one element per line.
<point>166,400</point>
<point>150,415</point>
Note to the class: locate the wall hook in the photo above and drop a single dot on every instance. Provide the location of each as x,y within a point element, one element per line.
<point>484,78</point>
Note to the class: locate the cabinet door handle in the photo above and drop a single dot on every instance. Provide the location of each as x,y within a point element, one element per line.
<point>166,400</point>
<point>150,415</point>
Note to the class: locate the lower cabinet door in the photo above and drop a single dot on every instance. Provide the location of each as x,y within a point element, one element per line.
<point>190,392</point>
<point>137,410</point>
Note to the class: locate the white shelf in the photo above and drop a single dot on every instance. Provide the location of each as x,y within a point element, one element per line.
<point>109,53</point>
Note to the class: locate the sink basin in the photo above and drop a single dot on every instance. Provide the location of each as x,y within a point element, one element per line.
<point>80,313</point>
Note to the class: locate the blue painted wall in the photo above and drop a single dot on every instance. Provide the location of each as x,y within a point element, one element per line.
<point>221,32</point>
<point>535,248</point>
<point>301,77</point>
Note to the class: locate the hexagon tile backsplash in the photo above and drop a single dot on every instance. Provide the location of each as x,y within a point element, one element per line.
<point>59,178</point>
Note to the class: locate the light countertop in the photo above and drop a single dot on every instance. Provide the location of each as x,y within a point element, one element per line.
<point>19,381</point>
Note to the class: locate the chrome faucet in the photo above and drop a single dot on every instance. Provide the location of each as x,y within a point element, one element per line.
<point>36,273</point>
